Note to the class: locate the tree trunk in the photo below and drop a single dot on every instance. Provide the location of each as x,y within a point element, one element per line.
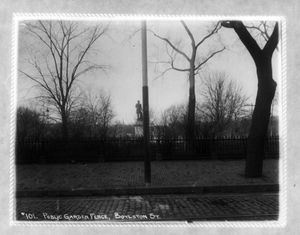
<point>265,95</point>
<point>64,130</point>
<point>260,118</point>
<point>191,107</point>
<point>64,122</point>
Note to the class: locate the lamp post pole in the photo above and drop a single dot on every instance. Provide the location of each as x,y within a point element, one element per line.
<point>146,105</point>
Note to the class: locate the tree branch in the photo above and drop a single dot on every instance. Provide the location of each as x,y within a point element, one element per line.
<point>273,40</point>
<point>207,59</point>
<point>215,30</point>
<point>189,33</point>
<point>244,36</point>
<point>172,46</point>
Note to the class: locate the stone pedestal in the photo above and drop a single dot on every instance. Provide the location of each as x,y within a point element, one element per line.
<point>138,128</point>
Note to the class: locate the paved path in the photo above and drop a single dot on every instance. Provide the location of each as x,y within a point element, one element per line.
<point>214,207</point>
<point>131,174</point>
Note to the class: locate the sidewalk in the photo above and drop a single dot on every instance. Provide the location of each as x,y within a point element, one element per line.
<point>128,178</point>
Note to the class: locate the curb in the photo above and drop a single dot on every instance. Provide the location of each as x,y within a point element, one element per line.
<point>143,190</point>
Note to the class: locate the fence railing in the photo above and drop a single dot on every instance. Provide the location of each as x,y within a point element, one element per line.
<point>132,149</point>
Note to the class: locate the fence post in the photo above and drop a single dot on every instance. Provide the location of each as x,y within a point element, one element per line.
<point>158,151</point>
<point>101,157</point>
<point>213,153</point>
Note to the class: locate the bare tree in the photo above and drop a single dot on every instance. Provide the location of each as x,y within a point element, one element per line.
<point>79,123</point>
<point>30,123</point>
<point>223,102</point>
<point>99,106</point>
<point>171,122</point>
<point>265,94</point>
<point>195,61</point>
<point>58,54</point>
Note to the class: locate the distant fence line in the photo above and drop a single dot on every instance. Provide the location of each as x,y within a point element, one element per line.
<point>131,149</point>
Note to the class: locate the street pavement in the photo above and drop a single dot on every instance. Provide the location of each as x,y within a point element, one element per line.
<point>191,207</point>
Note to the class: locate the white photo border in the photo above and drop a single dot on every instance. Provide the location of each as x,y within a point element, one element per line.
<point>281,222</point>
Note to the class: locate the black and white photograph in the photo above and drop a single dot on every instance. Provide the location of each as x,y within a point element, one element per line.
<point>148,119</point>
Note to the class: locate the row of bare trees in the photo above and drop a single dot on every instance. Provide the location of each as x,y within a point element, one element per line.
<point>223,103</point>
<point>91,118</point>
<point>222,106</point>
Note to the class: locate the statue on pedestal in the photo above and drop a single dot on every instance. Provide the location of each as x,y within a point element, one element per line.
<point>139,110</point>
<point>138,127</point>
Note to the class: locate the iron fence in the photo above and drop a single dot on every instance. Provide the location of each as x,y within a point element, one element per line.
<point>132,149</point>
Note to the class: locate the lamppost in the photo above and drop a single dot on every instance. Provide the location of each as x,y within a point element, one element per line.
<point>146,104</point>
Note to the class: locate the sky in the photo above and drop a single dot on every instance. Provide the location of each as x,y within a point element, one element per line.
<point>121,49</point>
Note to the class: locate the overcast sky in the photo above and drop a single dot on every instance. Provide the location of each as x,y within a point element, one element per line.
<point>121,49</point>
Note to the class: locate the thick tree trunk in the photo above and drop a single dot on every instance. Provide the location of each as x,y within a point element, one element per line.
<point>265,95</point>
<point>260,118</point>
